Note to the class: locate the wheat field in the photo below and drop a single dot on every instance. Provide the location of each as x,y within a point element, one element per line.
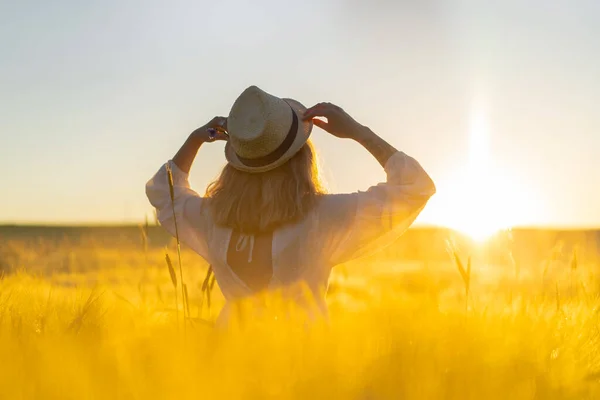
<point>93,316</point>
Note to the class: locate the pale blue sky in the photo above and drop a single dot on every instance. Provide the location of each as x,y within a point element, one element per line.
<point>94,96</point>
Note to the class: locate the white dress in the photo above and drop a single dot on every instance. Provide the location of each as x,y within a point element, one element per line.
<point>340,228</point>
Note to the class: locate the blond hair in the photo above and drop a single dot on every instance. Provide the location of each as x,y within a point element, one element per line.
<point>262,202</point>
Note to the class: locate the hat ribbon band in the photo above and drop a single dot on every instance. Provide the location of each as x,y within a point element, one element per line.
<point>279,151</point>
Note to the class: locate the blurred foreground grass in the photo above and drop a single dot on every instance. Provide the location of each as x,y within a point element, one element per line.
<point>87,321</point>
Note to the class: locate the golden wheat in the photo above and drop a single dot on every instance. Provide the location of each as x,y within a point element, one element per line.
<point>112,332</point>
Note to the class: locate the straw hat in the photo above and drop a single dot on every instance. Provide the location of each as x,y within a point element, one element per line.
<point>264,131</point>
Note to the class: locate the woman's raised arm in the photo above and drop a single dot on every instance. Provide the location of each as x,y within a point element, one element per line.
<point>342,125</point>
<point>357,224</point>
<point>187,153</point>
<point>181,202</point>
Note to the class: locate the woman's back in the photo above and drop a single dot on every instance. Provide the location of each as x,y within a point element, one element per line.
<point>341,227</point>
<point>294,234</point>
<point>250,257</point>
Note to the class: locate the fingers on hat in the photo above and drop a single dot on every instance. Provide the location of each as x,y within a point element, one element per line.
<point>318,110</point>
<point>320,123</point>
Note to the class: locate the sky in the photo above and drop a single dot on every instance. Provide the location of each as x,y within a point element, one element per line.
<point>497,100</point>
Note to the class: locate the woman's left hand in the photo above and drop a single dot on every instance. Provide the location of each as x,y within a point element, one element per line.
<point>215,130</point>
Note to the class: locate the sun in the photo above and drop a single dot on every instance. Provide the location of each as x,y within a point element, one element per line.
<point>482,216</point>
<point>480,198</point>
<point>479,232</point>
<point>477,200</point>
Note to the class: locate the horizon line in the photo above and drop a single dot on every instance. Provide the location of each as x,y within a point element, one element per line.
<point>115,224</point>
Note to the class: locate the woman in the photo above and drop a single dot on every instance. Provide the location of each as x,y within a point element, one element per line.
<point>265,223</point>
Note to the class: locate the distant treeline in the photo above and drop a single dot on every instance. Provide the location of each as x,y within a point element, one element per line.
<point>419,244</point>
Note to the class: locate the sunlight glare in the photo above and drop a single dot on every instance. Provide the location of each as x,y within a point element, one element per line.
<point>479,220</point>
<point>476,201</point>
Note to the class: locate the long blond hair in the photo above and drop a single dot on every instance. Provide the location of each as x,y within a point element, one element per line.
<point>262,202</point>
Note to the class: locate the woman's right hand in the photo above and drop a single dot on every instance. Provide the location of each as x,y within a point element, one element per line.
<point>338,123</point>
<point>214,130</point>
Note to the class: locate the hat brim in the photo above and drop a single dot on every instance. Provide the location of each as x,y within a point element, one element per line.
<point>304,131</point>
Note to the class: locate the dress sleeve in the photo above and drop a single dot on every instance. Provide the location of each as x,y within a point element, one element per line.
<point>187,205</point>
<point>358,224</point>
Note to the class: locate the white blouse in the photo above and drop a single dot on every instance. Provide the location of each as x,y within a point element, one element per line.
<point>342,227</point>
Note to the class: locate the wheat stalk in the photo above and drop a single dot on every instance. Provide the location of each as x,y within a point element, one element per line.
<point>171,271</point>
<point>207,286</point>
<point>174,282</point>
<point>574,260</point>
<point>465,273</point>
<point>574,264</point>
<point>172,194</point>
<point>186,300</point>
<point>144,237</point>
